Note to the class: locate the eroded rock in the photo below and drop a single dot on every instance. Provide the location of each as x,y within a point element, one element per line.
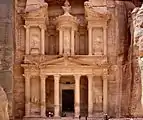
<point>3,105</point>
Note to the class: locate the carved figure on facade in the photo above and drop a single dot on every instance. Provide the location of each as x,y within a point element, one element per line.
<point>35,42</point>
<point>35,100</point>
<point>98,45</point>
<point>67,42</point>
<point>66,7</point>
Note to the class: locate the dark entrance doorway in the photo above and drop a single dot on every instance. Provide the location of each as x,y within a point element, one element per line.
<point>67,100</point>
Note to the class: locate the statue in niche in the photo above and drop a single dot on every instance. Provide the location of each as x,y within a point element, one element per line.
<point>35,100</point>
<point>98,99</point>
<point>35,42</point>
<point>67,42</point>
<point>3,105</point>
<point>97,45</point>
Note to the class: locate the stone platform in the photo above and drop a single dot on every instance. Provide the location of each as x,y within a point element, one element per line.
<point>61,118</point>
<point>82,118</point>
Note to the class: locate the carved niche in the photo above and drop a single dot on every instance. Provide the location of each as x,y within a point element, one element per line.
<point>97,38</point>
<point>35,37</point>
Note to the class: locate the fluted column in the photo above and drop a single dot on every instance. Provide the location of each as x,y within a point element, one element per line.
<point>90,48</point>
<point>105,90</point>
<point>72,42</point>
<point>77,95</point>
<point>60,42</point>
<point>56,95</point>
<point>27,49</point>
<point>43,95</point>
<point>90,94</point>
<point>43,40</point>
<point>27,94</point>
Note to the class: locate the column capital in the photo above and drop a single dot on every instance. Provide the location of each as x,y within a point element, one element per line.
<point>42,27</point>
<point>105,73</point>
<point>43,76</point>
<point>27,26</point>
<point>90,76</point>
<point>27,75</point>
<point>57,76</point>
<point>89,27</point>
<point>77,76</point>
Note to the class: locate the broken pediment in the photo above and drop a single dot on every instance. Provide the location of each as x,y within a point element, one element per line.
<point>35,8</point>
<point>96,13</point>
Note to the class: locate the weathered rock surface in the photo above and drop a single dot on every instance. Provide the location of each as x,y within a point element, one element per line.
<point>3,105</point>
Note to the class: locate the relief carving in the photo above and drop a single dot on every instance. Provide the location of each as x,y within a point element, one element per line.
<point>35,40</point>
<point>35,100</point>
<point>67,42</point>
<point>98,41</point>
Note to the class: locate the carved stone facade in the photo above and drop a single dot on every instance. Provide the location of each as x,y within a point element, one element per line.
<point>81,47</point>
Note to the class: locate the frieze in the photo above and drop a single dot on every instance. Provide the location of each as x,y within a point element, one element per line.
<point>71,71</point>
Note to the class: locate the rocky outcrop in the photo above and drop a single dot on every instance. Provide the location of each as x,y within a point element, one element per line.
<point>3,105</point>
<point>137,94</point>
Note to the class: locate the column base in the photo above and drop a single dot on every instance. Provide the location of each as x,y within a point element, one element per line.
<point>56,118</point>
<point>34,118</point>
<point>91,118</point>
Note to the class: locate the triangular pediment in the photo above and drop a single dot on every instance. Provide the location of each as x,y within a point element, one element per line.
<point>65,61</point>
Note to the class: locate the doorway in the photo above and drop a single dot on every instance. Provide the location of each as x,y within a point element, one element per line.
<point>67,100</point>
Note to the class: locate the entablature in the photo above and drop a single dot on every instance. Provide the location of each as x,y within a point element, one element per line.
<point>58,59</point>
<point>64,65</point>
<point>33,70</point>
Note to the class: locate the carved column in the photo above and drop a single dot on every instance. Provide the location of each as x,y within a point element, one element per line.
<point>27,94</point>
<point>43,95</point>
<point>56,95</point>
<point>105,90</point>
<point>72,42</point>
<point>90,94</point>
<point>77,95</point>
<point>27,39</point>
<point>105,40</point>
<point>43,40</point>
<point>60,42</point>
<point>90,41</point>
